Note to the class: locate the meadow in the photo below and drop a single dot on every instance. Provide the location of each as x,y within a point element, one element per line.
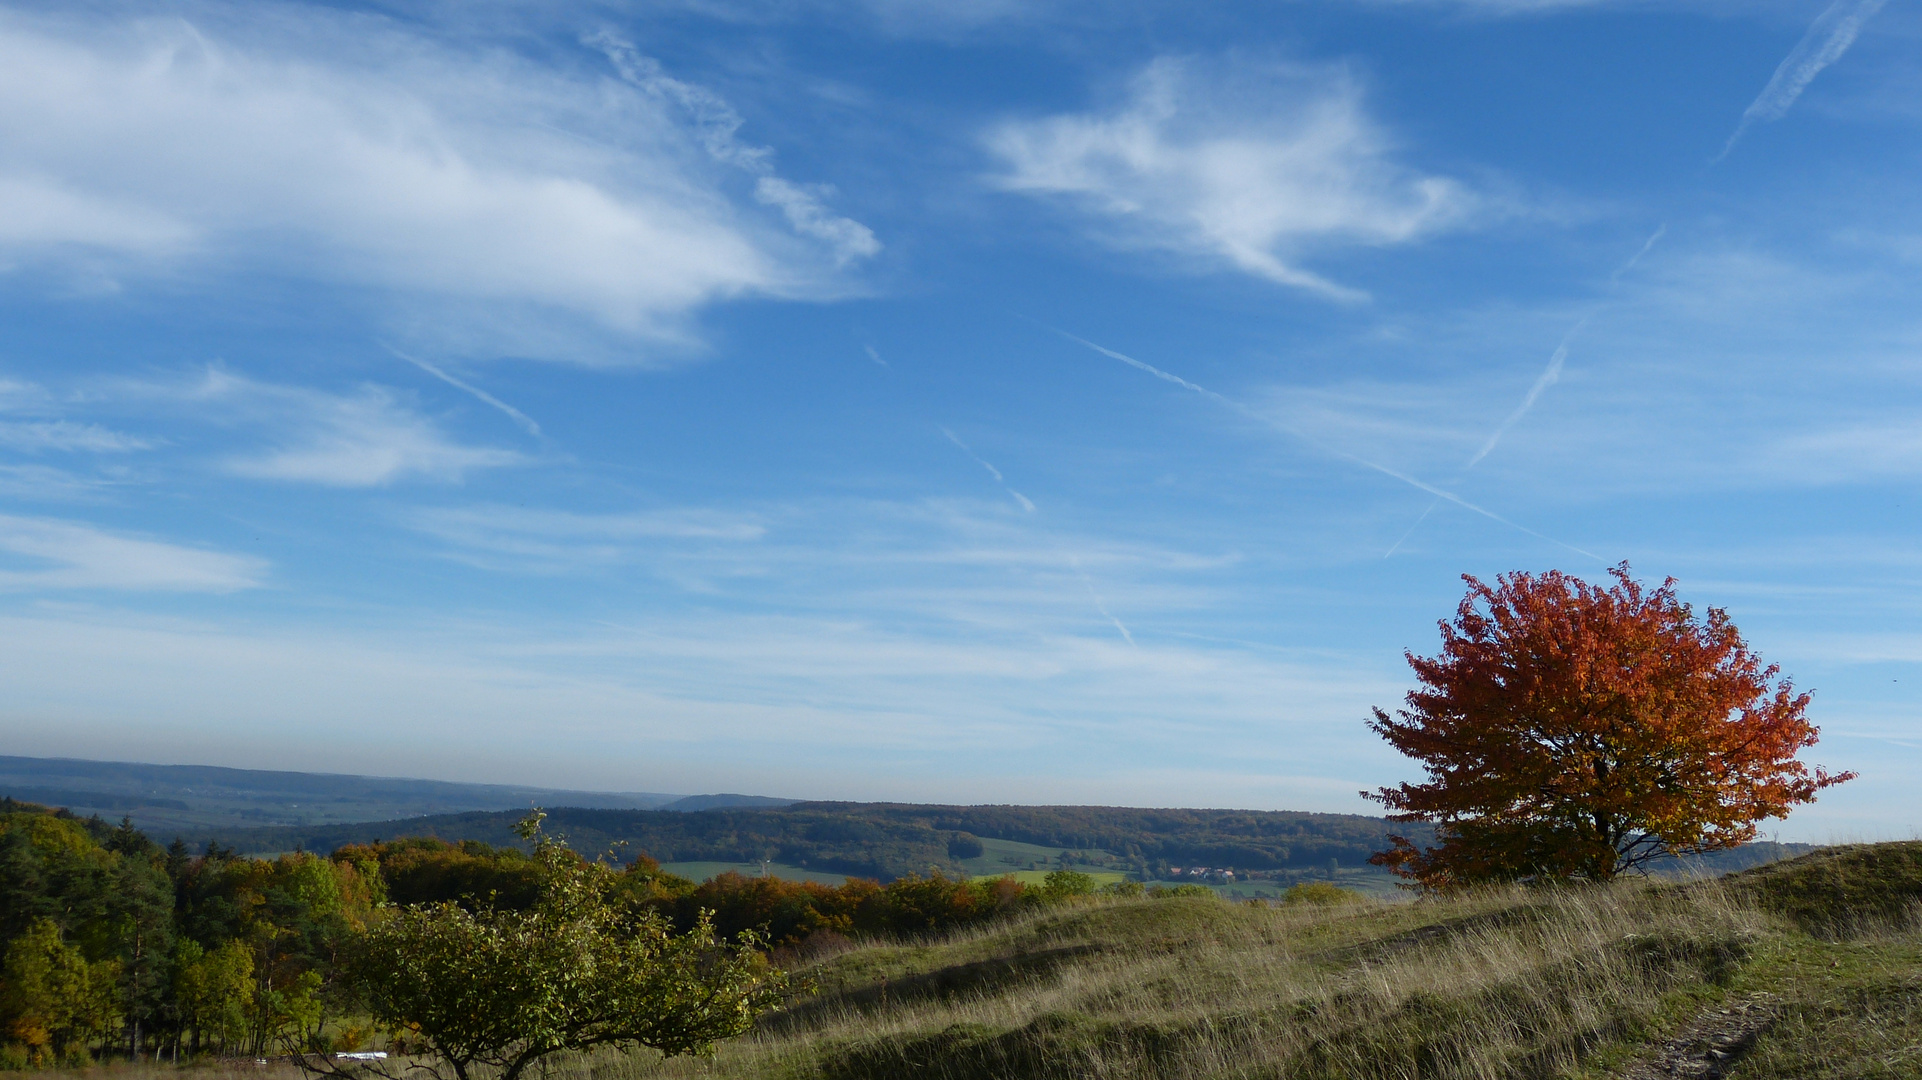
<point>1808,968</point>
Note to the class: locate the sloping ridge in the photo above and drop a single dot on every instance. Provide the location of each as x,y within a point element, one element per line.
<point>1834,889</point>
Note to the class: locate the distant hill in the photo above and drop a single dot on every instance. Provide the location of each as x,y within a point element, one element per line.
<point>165,800</point>
<point>262,812</point>
<point>720,802</point>
<point>887,840</point>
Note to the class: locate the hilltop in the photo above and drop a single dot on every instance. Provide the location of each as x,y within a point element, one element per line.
<point>1806,968</point>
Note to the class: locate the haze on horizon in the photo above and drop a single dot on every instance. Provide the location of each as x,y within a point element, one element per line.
<point>1005,402</point>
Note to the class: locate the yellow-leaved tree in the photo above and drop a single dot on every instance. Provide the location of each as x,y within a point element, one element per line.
<point>52,999</point>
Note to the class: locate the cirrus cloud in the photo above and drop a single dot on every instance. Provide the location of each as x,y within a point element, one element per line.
<point>1254,168</point>
<point>538,203</point>
<point>49,553</point>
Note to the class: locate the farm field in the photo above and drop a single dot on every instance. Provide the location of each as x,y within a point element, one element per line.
<point>701,871</point>
<point>1371,882</point>
<point>1037,877</point>
<point>1014,857</point>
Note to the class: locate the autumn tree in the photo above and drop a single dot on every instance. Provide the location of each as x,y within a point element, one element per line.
<point>52,999</point>
<point>1574,731</point>
<point>213,991</point>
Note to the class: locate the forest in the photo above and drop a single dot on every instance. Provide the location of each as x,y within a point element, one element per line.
<point>886,840</point>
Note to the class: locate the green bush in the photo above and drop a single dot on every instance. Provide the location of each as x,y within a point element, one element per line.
<point>1320,892</point>
<point>1059,885</point>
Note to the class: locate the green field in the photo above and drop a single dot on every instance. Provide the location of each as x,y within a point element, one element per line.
<point>1037,877</point>
<point>701,871</point>
<point>1369,882</point>
<point>1000,857</point>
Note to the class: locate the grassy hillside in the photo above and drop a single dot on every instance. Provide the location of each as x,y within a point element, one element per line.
<point>1808,968</point>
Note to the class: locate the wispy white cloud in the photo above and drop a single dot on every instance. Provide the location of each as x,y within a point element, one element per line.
<point>544,541</point>
<point>47,553</point>
<point>1256,168</point>
<point>1826,40</point>
<point>42,427</point>
<point>805,210</point>
<point>47,482</point>
<point>1873,449</point>
<point>718,125</point>
<point>366,438</point>
<point>315,144</point>
<point>40,214</point>
<point>37,435</point>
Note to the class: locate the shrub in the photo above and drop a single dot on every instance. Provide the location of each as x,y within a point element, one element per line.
<point>1060,885</point>
<point>1321,893</point>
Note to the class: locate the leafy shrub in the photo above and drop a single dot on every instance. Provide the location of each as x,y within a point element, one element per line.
<point>1060,885</point>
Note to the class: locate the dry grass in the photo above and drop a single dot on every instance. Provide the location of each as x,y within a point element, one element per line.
<point>1500,984</point>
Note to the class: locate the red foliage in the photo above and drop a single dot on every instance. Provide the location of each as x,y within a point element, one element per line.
<point>1573,731</point>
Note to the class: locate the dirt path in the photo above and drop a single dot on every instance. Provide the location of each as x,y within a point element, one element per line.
<point>1711,1044</point>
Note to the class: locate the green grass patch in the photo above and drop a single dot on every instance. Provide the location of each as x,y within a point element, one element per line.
<point>1013,857</point>
<point>1039,877</point>
<point>701,871</point>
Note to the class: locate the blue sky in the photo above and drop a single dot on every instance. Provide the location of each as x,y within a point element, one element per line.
<point>894,400</point>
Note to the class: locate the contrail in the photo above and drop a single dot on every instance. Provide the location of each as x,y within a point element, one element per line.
<point>1088,583</point>
<point>1317,443</point>
<point>1411,529</point>
<point>875,356</point>
<point>1647,246</point>
<point>1153,370</point>
<point>1026,503</point>
<point>1549,377</point>
<point>519,417</point>
<point>1073,560</point>
<point>1828,37</point>
<point>1552,374</point>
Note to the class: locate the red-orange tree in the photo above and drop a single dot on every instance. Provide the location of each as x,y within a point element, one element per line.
<point>1574,731</point>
